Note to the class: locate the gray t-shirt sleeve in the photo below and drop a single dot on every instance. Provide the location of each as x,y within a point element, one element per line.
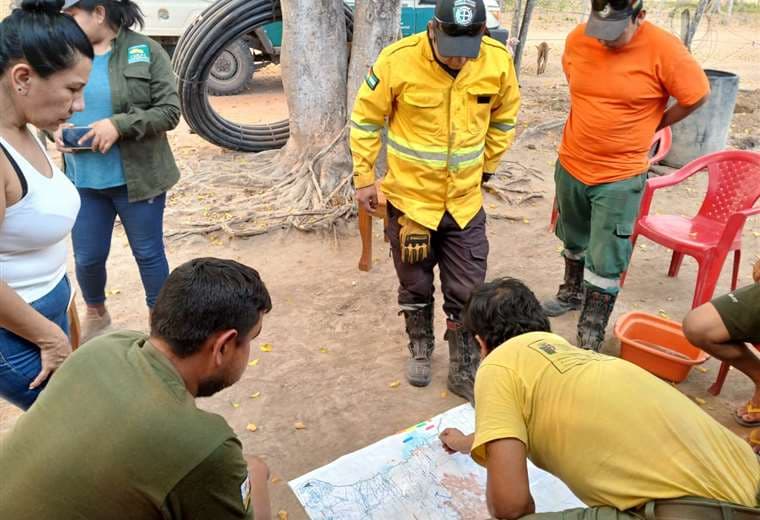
<point>218,488</point>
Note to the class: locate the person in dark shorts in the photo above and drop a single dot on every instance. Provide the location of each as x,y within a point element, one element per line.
<point>722,328</point>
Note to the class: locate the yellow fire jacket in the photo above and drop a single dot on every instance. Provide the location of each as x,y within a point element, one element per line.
<point>443,132</point>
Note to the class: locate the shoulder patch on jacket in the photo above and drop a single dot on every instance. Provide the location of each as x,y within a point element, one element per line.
<point>138,54</point>
<point>372,80</point>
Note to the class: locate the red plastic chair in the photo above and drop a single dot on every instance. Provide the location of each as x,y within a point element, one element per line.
<point>661,144</point>
<point>733,189</point>
<point>717,386</point>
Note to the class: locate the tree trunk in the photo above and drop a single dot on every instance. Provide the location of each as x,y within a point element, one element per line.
<point>516,16</point>
<point>376,25</point>
<point>700,10</point>
<point>529,5</point>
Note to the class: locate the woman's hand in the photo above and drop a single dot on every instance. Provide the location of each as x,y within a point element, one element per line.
<point>59,138</point>
<point>103,134</point>
<point>54,349</point>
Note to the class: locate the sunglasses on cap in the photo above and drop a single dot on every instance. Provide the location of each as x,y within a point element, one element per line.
<point>454,29</point>
<point>618,5</point>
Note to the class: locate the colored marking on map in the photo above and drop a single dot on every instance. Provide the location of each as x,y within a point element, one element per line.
<point>430,427</point>
<point>421,424</point>
<point>408,439</point>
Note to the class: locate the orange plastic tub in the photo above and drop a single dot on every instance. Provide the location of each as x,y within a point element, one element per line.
<point>657,345</point>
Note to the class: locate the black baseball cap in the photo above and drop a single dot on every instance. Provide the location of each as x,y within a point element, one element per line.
<point>460,27</point>
<point>609,18</point>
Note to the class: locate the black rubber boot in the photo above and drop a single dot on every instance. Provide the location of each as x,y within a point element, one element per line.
<point>597,307</point>
<point>419,328</point>
<point>464,359</point>
<point>570,294</point>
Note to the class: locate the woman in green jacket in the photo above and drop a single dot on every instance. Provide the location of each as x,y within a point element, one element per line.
<point>130,103</point>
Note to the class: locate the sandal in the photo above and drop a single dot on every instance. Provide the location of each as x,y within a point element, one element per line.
<point>749,408</point>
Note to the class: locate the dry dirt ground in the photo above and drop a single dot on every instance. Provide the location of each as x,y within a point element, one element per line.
<point>337,341</point>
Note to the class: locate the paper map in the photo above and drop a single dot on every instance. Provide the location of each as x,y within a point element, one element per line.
<point>409,476</point>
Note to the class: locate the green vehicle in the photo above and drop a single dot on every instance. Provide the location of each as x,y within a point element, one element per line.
<point>232,73</point>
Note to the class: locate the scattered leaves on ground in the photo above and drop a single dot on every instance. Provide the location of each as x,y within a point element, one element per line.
<point>282,515</point>
<point>700,401</point>
<point>266,347</point>
<point>236,405</point>
<point>255,395</point>
<point>394,384</point>
<point>323,350</point>
<point>663,314</point>
<point>299,425</point>
<point>253,362</point>
<point>251,427</point>
<point>444,394</point>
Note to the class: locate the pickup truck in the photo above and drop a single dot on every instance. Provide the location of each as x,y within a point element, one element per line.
<point>232,72</point>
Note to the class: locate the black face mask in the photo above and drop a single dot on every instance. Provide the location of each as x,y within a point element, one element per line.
<point>454,29</point>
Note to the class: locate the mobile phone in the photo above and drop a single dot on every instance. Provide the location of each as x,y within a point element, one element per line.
<point>71,136</point>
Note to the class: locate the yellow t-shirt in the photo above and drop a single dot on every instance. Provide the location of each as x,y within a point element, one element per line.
<point>615,434</point>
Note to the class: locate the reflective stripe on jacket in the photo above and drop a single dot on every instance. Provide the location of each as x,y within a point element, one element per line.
<point>443,132</point>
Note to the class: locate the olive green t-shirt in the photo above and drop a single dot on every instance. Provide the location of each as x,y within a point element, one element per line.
<point>117,435</point>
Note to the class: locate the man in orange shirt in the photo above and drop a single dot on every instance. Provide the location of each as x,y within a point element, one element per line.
<point>621,71</point>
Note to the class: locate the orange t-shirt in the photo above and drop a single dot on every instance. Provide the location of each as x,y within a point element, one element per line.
<point>618,98</point>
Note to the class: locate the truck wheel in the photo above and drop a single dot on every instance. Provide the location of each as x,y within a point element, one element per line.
<point>232,72</point>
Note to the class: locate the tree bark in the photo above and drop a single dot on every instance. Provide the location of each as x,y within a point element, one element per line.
<point>529,5</point>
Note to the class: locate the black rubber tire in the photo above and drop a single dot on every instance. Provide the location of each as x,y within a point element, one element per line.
<point>232,72</point>
<point>223,22</point>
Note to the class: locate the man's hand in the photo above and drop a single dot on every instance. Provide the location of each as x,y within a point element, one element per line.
<point>367,197</point>
<point>103,134</point>
<point>454,441</point>
<point>415,241</point>
<point>54,349</point>
<point>756,271</point>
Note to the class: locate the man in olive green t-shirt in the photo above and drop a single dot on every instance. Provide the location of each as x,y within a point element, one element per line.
<point>117,434</point>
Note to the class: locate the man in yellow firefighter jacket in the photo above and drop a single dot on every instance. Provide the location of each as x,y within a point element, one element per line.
<point>449,98</point>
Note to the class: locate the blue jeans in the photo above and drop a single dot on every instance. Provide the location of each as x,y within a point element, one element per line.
<point>143,222</point>
<point>20,359</point>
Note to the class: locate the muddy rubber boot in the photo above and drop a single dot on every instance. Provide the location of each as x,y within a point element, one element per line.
<point>419,328</point>
<point>464,358</point>
<point>570,294</point>
<point>597,307</point>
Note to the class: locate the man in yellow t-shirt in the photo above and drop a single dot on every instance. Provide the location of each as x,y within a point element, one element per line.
<point>619,437</point>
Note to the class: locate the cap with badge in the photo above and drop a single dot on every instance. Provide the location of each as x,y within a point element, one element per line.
<point>69,3</point>
<point>609,18</point>
<point>461,24</point>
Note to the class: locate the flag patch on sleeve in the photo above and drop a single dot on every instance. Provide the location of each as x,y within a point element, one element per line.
<point>372,80</point>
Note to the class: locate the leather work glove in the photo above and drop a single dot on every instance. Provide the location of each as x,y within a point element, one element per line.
<point>415,241</point>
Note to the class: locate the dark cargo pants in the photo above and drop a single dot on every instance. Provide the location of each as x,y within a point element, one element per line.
<point>461,256</point>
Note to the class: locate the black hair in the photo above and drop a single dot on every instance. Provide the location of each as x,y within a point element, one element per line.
<point>121,14</point>
<point>204,296</point>
<point>40,34</point>
<point>502,309</point>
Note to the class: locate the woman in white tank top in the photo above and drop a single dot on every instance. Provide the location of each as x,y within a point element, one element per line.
<point>38,205</point>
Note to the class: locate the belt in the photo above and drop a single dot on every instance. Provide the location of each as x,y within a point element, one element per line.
<point>696,509</point>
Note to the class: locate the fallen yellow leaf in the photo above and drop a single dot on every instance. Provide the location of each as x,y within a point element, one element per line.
<point>395,384</point>
<point>299,425</point>
<point>700,401</point>
<point>702,369</point>
<point>236,405</point>
<point>253,362</point>
<point>276,479</point>
<point>663,314</point>
<point>282,515</point>
<point>251,427</point>
<point>255,395</point>
<point>444,394</point>
<point>643,247</point>
<point>266,347</point>
<point>526,221</point>
<point>324,350</point>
